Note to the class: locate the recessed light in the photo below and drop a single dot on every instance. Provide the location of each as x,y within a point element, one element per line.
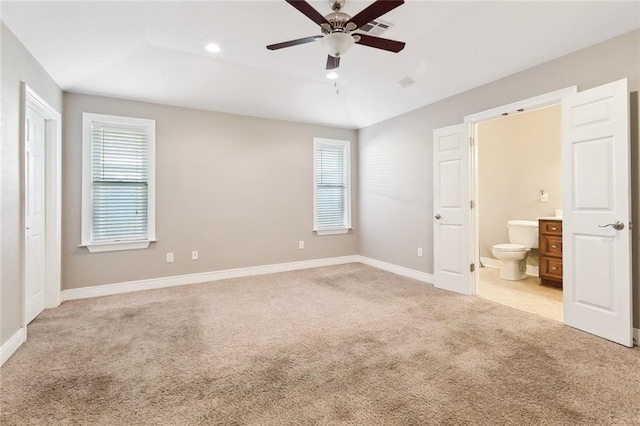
<point>332,75</point>
<point>213,48</point>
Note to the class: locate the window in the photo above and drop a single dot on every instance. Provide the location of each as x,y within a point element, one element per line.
<point>118,185</point>
<point>332,186</point>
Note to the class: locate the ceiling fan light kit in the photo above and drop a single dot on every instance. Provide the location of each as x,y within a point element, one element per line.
<point>337,44</point>
<point>338,29</point>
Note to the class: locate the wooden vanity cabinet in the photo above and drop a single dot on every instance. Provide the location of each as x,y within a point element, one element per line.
<point>550,252</point>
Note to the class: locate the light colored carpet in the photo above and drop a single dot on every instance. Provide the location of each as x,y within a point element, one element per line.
<point>341,345</point>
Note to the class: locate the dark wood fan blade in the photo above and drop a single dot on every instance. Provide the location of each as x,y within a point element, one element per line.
<point>308,11</point>
<point>381,43</point>
<point>373,11</point>
<point>332,62</point>
<point>293,42</point>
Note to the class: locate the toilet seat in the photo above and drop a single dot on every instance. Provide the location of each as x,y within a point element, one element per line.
<point>509,248</point>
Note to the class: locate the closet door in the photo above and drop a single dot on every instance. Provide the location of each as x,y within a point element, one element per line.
<point>451,209</point>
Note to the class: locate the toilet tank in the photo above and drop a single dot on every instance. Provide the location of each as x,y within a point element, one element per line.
<point>524,232</point>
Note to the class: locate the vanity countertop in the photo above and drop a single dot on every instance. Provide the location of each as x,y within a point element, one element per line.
<point>550,218</point>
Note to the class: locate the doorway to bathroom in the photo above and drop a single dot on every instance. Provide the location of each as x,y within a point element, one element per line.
<point>519,181</point>
<point>595,232</point>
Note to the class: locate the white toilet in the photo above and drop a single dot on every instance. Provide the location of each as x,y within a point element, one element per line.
<point>523,236</point>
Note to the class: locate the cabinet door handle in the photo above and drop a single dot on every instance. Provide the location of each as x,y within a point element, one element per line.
<point>554,246</point>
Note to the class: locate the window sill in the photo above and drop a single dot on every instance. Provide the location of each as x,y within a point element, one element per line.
<point>332,231</point>
<point>117,246</point>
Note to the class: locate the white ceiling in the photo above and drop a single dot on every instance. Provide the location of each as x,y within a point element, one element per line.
<point>154,51</point>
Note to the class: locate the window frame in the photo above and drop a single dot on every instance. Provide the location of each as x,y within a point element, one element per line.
<point>317,142</point>
<point>87,184</point>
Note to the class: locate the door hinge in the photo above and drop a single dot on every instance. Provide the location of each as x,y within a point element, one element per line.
<point>472,267</point>
<point>471,140</point>
<point>472,204</point>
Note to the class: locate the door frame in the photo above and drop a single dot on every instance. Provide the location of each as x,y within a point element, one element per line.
<point>472,120</point>
<point>53,200</point>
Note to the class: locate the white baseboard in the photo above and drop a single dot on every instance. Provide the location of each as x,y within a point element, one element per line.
<point>12,345</point>
<point>636,337</point>
<point>489,262</point>
<point>400,270</point>
<point>156,283</point>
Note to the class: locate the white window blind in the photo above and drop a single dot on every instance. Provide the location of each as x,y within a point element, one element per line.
<point>332,185</point>
<point>118,173</point>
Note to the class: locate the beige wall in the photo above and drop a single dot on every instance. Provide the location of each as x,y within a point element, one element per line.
<point>518,156</point>
<point>17,66</point>
<point>396,193</point>
<point>237,189</point>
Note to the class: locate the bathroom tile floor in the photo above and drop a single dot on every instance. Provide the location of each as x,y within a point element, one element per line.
<point>526,295</point>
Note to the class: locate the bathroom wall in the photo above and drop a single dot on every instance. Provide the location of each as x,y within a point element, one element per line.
<point>518,156</point>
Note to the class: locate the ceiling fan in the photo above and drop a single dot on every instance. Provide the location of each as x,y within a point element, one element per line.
<point>338,29</point>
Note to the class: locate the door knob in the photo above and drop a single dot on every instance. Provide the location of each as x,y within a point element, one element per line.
<point>438,216</point>
<point>618,226</point>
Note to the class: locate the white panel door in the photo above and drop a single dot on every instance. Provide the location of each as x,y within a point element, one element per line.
<point>34,214</point>
<point>596,235</point>
<point>451,207</point>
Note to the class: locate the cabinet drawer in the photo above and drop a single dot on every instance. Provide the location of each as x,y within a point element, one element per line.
<point>550,245</point>
<point>552,227</point>
<point>551,267</point>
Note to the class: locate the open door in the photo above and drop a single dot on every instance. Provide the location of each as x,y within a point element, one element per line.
<point>596,235</point>
<point>35,253</point>
<point>451,209</point>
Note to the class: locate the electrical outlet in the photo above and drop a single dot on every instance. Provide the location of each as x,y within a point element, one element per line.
<point>544,197</point>
<point>301,245</point>
<point>419,251</point>
<point>169,257</point>
<point>194,255</point>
